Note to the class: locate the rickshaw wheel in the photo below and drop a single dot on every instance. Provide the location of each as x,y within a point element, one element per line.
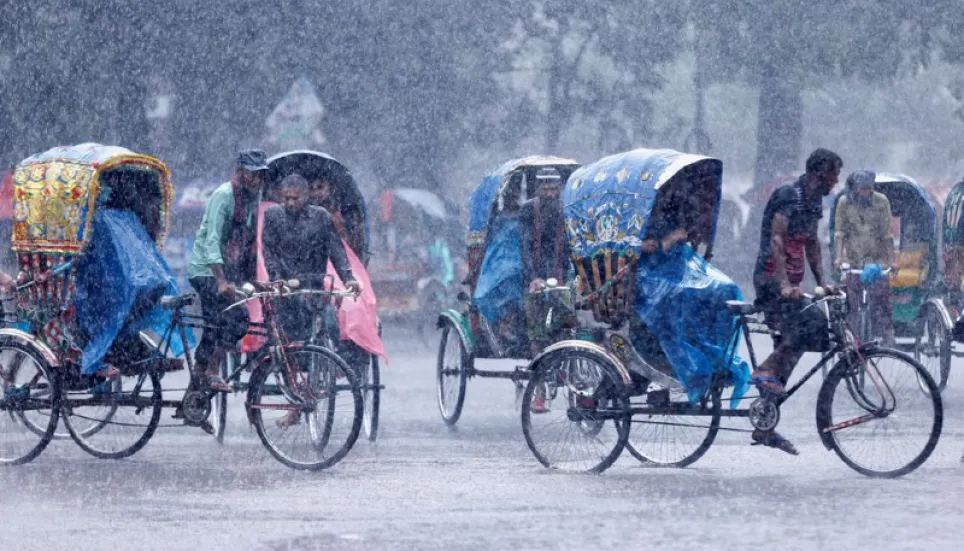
<point>932,348</point>
<point>325,398</point>
<point>30,403</point>
<point>124,412</point>
<point>675,440</point>
<point>575,411</point>
<point>451,373</point>
<point>37,426</point>
<point>371,395</point>
<point>886,426</point>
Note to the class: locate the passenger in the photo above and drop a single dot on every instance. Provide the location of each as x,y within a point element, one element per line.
<point>788,236</point>
<point>498,293</point>
<point>545,252</point>
<point>864,240</point>
<point>224,256</point>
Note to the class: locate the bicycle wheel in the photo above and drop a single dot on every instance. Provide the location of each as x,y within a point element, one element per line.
<point>932,348</point>
<point>308,413</point>
<point>124,410</point>
<point>862,424</point>
<point>30,404</point>
<point>675,434</point>
<point>451,372</point>
<point>371,381</point>
<point>575,412</point>
<point>219,402</point>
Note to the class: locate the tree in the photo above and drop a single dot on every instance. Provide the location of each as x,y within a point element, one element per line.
<point>787,46</point>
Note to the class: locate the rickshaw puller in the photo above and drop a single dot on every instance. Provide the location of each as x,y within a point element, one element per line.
<point>224,256</point>
<point>864,238</point>
<point>787,236</point>
<point>299,239</point>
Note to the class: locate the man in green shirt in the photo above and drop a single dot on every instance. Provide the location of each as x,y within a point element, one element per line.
<point>863,237</point>
<point>224,255</point>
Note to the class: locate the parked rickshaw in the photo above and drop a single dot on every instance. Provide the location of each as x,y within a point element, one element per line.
<point>466,334</point>
<point>608,386</point>
<point>413,271</point>
<point>922,322</point>
<point>952,249</point>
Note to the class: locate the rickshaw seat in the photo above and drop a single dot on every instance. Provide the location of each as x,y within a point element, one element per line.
<point>912,269</point>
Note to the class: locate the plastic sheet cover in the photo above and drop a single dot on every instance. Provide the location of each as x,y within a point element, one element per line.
<point>120,280</point>
<point>499,289</point>
<point>681,298</point>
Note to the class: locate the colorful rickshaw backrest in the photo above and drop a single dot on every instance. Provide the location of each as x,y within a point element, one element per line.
<point>314,165</point>
<point>607,208</point>
<point>57,192</point>
<point>485,195</point>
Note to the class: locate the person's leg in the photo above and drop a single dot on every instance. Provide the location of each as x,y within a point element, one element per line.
<point>882,311</point>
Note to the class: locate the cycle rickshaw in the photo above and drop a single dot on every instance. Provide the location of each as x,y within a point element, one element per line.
<point>347,203</point>
<point>89,222</point>
<point>606,389</point>
<point>467,335</point>
<point>922,322</point>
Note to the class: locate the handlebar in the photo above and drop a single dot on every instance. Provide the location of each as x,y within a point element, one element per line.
<point>278,289</point>
<point>846,269</point>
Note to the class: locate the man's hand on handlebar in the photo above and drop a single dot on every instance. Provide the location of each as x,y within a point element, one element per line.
<point>353,286</point>
<point>226,289</point>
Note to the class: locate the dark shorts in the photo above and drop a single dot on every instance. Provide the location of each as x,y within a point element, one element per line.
<point>227,328</point>
<point>804,329</point>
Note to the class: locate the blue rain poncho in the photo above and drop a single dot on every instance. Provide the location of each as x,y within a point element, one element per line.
<point>120,279</point>
<point>681,298</point>
<point>499,289</point>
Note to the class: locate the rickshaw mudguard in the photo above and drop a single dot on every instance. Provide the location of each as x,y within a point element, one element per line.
<point>41,346</point>
<point>939,307</point>
<point>587,346</point>
<point>461,323</point>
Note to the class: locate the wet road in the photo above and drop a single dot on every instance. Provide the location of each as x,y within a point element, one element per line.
<point>423,486</point>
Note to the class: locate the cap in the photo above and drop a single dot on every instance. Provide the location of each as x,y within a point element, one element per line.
<point>861,179</point>
<point>548,176</point>
<point>252,160</point>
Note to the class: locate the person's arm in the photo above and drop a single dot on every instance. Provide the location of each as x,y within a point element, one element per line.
<point>778,231</point>
<point>814,258</point>
<point>840,233</point>
<point>217,213</point>
<point>886,232</point>
<point>271,247</point>
<point>527,238</point>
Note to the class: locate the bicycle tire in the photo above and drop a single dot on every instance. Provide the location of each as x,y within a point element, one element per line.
<point>843,372</point>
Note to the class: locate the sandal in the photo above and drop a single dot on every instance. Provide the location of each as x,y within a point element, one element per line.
<point>218,384</point>
<point>773,439</point>
<point>290,419</point>
<point>768,384</point>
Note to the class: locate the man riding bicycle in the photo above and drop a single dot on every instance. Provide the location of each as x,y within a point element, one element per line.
<point>787,237</point>
<point>865,241</point>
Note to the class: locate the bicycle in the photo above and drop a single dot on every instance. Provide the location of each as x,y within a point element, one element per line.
<point>286,377</point>
<point>597,388</point>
